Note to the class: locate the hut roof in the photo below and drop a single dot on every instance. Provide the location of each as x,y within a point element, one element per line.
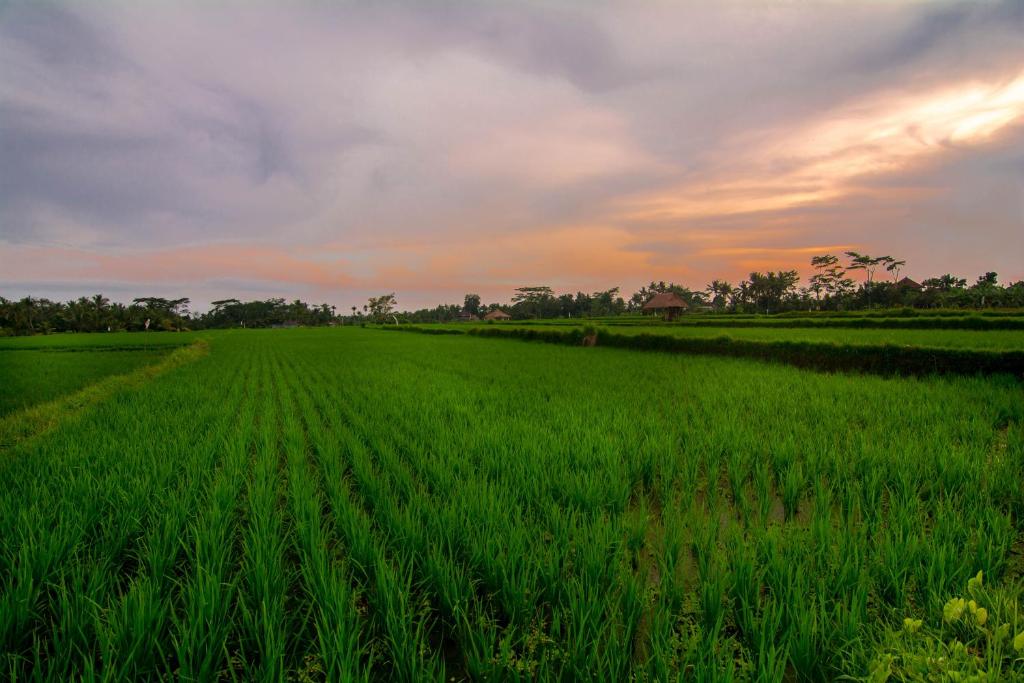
<point>497,314</point>
<point>665,300</point>
<point>907,282</point>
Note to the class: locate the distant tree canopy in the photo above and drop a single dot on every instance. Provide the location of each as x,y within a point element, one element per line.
<point>235,313</point>
<point>767,292</point>
<point>97,314</point>
<point>828,288</point>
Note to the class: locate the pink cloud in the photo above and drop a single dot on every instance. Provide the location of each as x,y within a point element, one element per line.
<point>193,264</point>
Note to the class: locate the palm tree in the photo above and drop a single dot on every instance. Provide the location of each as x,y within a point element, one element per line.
<point>868,265</point>
<point>721,291</point>
<point>101,315</point>
<point>894,267</point>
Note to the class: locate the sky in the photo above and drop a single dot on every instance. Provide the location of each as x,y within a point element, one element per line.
<point>335,151</point>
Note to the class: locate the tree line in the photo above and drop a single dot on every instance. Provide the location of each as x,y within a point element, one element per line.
<point>830,287</point>
<point>32,315</point>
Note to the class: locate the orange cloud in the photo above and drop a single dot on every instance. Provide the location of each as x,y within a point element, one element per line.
<point>794,252</point>
<point>822,160</point>
<point>571,255</point>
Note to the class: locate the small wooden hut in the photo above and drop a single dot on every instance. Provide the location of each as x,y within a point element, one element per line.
<point>668,304</point>
<point>907,283</point>
<point>497,314</point>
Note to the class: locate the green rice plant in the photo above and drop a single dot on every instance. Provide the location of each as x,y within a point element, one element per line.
<point>206,598</point>
<point>772,656</point>
<point>793,485</point>
<point>30,377</point>
<point>350,504</point>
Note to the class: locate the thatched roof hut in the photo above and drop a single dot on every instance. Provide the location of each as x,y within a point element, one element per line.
<point>497,314</point>
<point>668,303</point>
<point>907,283</point>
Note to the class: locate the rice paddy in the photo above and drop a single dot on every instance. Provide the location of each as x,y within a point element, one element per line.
<point>31,377</point>
<point>349,504</point>
<point>994,340</point>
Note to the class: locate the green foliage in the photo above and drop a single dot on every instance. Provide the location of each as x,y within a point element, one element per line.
<point>978,636</point>
<point>346,504</point>
<point>29,377</point>
<point>32,316</point>
<point>39,416</point>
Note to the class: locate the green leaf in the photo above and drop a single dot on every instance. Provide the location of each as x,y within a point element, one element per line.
<point>953,609</point>
<point>975,583</point>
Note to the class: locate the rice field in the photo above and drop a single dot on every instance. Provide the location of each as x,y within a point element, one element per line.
<point>30,377</point>
<point>108,341</point>
<point>349,504</point>
<point>993,340</point>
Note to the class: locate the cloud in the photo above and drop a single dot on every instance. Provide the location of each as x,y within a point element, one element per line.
<point>823,160</point>
<point>333,150</point>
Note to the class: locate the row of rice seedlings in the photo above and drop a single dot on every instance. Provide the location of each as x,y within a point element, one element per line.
<point>514,582</point>
<point>74,546</point>
<point>399,601</point>
<point>444,587</point>
<point>393,466</point>
<point>387,451</point>
<point>134,629</point>
<point>876,487</point>
<point>339,647</point>
<point>206,606</point>
<point>262,617</point>
<point>386,579</point>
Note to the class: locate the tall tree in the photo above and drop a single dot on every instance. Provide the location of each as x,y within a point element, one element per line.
<point>986,288</point>
<point>830,278</point>
<point>382,306</point>
<point>471,304</point>
<point>894,267</point>
<point>868,264</point>
<point>721,293</point>
<point>101,312</point>
<point>607,302</point>
<point>767,290</point>
<point>944,283</point>
<point>535,302</point>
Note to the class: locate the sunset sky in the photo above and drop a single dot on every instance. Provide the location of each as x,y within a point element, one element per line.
<point>331,151</point>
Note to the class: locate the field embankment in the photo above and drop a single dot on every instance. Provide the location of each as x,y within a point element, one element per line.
<point>861,321</point>
<point>46,387</point>
<point>867,356</point>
